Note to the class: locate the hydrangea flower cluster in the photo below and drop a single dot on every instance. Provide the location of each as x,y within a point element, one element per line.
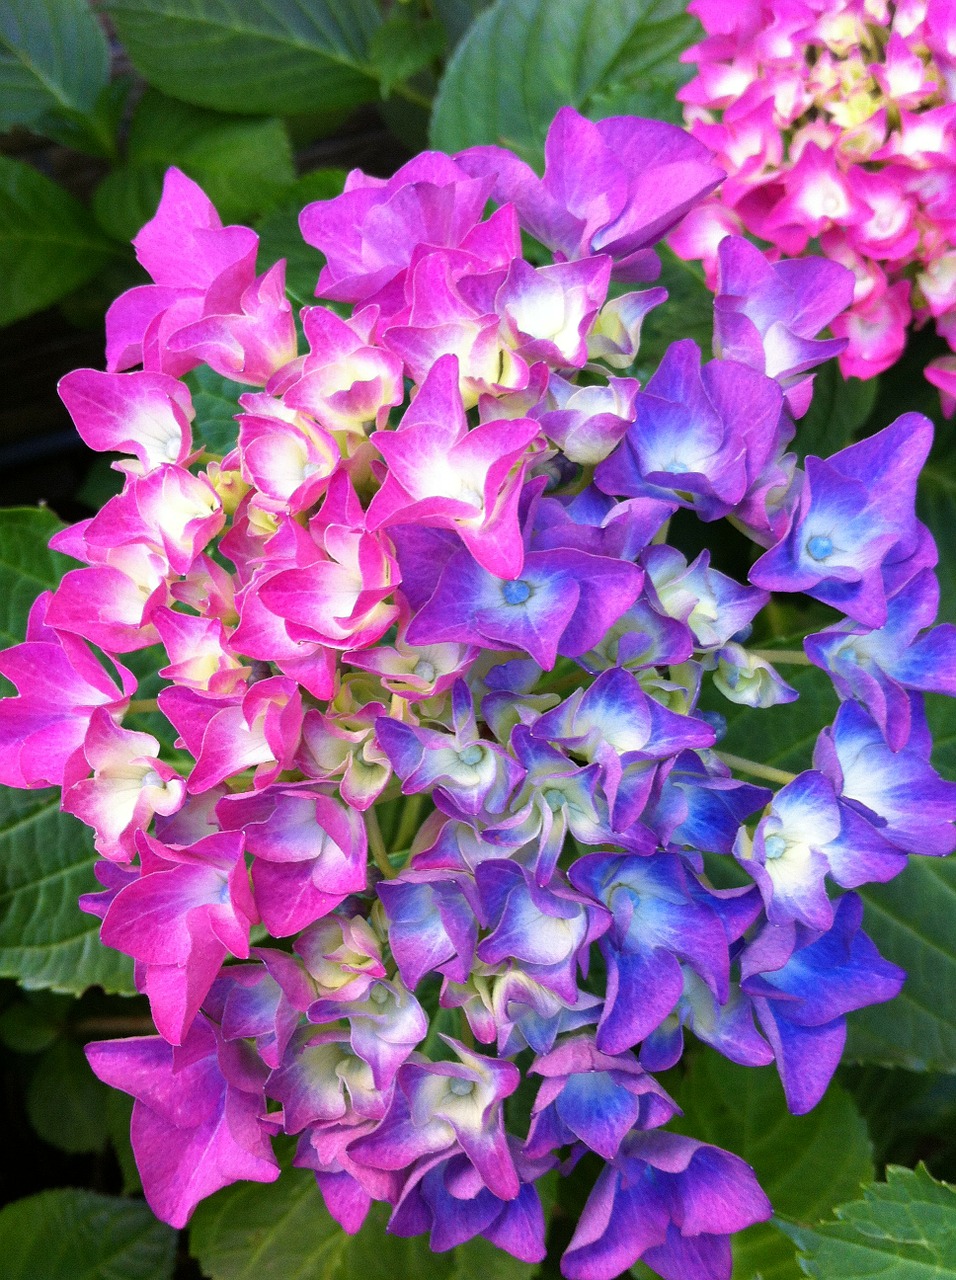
<point>427,810</point>
<point>836,123</point>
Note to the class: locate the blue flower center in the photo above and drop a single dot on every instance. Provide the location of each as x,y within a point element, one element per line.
<point>472,755</point>
<point>461,1088</point>
<point>819,547</point>
<point>554,798</point>
<point>774,847</point>
<point>424,669</point>
<point>516,592</point>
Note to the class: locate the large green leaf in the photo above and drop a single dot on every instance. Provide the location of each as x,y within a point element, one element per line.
<point>46,862</point>
<point>936,504</point>
<point>279,235</point>
<point>49,244</point>
<point>259,57</point>
<point>523,59</point>
<point>216,401</point>
<point>46,857</point>
<point>687,313</point>
<point>806,1164</point>
<point>911,921</point>
<point>27,566</point>
<point>66,1103</point>
<point>839,407</point>
<point>903,1229</point>
<point>54,61</point>
<point>282,1231</point>
<point>781,736</point>
<point>243,165</point>
<point>79,1235</point>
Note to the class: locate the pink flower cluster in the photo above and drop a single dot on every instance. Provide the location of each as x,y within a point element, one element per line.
<point>836,123</point>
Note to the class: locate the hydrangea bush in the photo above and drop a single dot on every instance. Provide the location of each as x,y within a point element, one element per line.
<point>836,123</point>
<point>427,852</point>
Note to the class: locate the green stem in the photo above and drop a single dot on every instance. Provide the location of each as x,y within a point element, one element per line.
<point>142,706</point>
<point>405,91</point>
<point>467,1036</point>
<point>789,657</point>
<point>756,770</point>
<point>376,845</point>
<point>410,821</point>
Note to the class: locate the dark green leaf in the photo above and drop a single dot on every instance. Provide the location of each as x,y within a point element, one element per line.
<point>911,921</point>
<point>282,1231</point>
<point>49,244</point>
<point>26,1027</point>
<point>782,736</point>
<point>403,45</point>
<point>523,59</point>
<point>936,505</point>
<point>46,862</point>
<point>65,1101</point>
<point>127,197</point>
<point>54,62</point>
<point>244,166</point>
<point>279,235</point>
<point>903,1229</point>
<point>839,407</point>
<point>687,313</point>
<point>78,1235</point>
<point>27,566</point>
<point>456,16</point>
<point>911,1115</point>
<point>257,57</point>
<point>119,1112</point>
<point>806,1164</point>
<point>216,401</point>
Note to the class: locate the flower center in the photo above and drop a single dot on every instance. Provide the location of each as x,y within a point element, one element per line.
<point>516,592</point>
<point>819,547</point>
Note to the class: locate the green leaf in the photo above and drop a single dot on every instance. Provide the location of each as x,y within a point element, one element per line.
<point>687,313</point>
<point>78,1235</point>
<point>46,857</point>
<point>127,197</point>
<point>49,244</point>
<point>66,1103</point>
<point>244,166</point>
<point>781,736</point>
<point>911,921</point>
<point>27,566</point>
<point>404,45</point>
<point>26,1026</point>
<point>903,1229</point>
<point>216,401</point>
<point>279,235</point>
<point>839,407</point>
<point>936,505</point>
<point>119,1114</point>
<point>46,862</point>
<point>54,62</point>
<point>523,59</point>
<point>806,1164</point>
<point>456,16</point>
<point>255,57</point>
<point>282,1231</point>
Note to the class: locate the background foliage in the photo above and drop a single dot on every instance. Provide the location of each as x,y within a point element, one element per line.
<point>264,102</point>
